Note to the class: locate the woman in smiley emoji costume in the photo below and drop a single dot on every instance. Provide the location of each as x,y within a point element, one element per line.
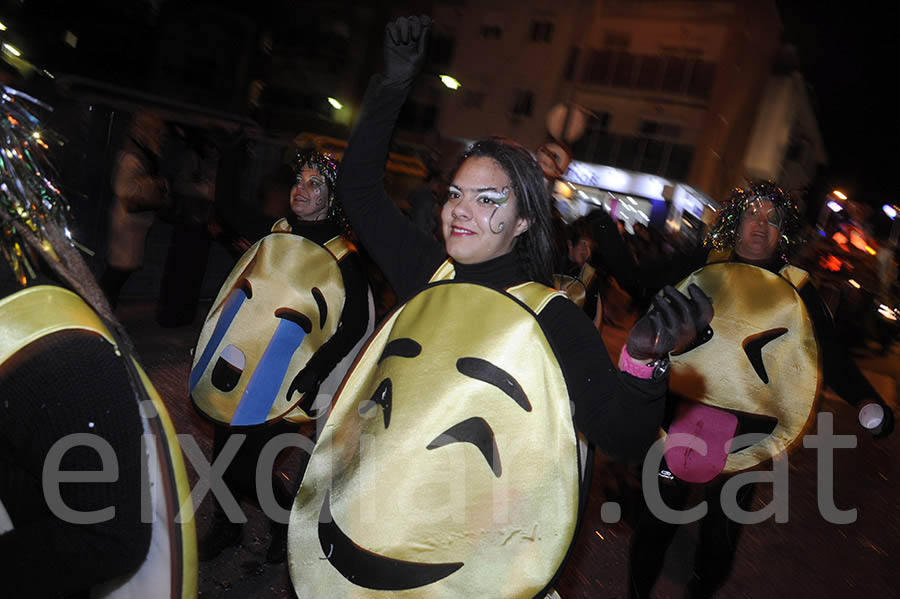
<point>448,466</point>
<point>279,338</point>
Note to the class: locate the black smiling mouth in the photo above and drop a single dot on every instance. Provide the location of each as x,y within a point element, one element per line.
<point>370,570</point>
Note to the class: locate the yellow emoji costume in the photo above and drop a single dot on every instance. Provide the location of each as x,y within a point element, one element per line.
<point>170,568</point>
<point>761,365</point>
<point>282,301</point>
<point>448,467</point>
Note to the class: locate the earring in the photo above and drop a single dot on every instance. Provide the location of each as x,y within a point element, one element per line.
<point>500,226</point>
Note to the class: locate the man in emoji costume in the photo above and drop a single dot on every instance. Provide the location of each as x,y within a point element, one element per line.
<point>280,336</point>
<point>448,467</point>
<point>758,372</point>
<point>76,402</point>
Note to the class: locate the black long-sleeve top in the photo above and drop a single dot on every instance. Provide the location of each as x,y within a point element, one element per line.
<point>618,413</point>
<point>64,383</point>
<point>355,315</point>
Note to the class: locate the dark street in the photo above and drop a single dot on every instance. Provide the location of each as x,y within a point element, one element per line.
<point>806,556</point>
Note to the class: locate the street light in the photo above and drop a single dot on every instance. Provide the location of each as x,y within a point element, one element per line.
<point>450,82</point>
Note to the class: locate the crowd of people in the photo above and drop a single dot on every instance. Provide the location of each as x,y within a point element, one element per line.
<point>450,436</point>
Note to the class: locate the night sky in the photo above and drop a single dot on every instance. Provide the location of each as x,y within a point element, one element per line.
<point>850,61</point>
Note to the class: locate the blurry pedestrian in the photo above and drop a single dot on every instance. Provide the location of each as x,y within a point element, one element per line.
<point>139,190</point>
<point>190,159</point>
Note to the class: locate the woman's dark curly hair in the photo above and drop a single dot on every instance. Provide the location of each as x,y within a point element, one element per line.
<point>534,247</point>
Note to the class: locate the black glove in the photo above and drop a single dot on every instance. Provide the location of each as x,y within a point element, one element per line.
<point>881,429</point>
<point>673,324</point>
<point>404,49</point>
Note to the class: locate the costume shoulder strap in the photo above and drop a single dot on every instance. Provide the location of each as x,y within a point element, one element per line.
<point>445,272</point>
<point>37,311</point>
<point>719,256</point>
<point>338,247</point>
<point>795,276</point>
<point>534,295</point>
<point>281,226</point>
<point>587,274</point>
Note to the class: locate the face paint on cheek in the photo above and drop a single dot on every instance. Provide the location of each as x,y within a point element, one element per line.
<point>499,199</point>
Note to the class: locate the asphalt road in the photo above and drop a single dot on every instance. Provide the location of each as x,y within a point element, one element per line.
<point>806,556</point>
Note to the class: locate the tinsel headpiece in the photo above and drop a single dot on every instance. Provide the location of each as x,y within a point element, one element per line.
<point>29,201</point>
<point>723,234</point>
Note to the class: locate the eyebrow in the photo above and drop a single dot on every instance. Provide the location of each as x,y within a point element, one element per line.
<point>480,189</point>
<point>403,347</point>
<point>477,432</point>
<point>486,372</point>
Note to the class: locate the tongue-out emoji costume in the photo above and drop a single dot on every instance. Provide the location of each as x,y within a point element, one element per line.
<point>758,373</point>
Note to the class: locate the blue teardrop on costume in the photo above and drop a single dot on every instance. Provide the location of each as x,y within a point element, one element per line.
<point>269,375</point>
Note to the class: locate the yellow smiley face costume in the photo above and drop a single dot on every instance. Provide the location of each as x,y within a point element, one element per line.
<point>282,301</point>
<point>448,466</point>
<point>761,367</point>
<point>170,568</point>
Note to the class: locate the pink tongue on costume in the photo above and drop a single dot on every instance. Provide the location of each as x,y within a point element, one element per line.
<point>698,425</point>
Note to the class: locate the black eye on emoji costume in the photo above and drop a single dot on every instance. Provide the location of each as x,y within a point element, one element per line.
<point>282,332</point>
<point>449,465</point>
<point>68,372</point>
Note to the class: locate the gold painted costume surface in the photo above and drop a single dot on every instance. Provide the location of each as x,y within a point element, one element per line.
<point>282,301</point>
<point>170,569</point>
<point>448,467</point>
<point>576,287</point>
<point>762,362</point>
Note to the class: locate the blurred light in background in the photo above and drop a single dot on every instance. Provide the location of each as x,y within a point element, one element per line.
<point>450,82</point>
<point>839,194</point>
<point>834,206</point>
<point>890,211</point>
<point>887,312</point>
<point>337,105</point>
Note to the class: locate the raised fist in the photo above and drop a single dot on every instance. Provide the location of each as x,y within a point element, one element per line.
<point>404,48</point>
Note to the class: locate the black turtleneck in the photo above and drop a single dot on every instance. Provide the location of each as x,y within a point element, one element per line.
<point>355,315</point>
<point>617,412</point>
